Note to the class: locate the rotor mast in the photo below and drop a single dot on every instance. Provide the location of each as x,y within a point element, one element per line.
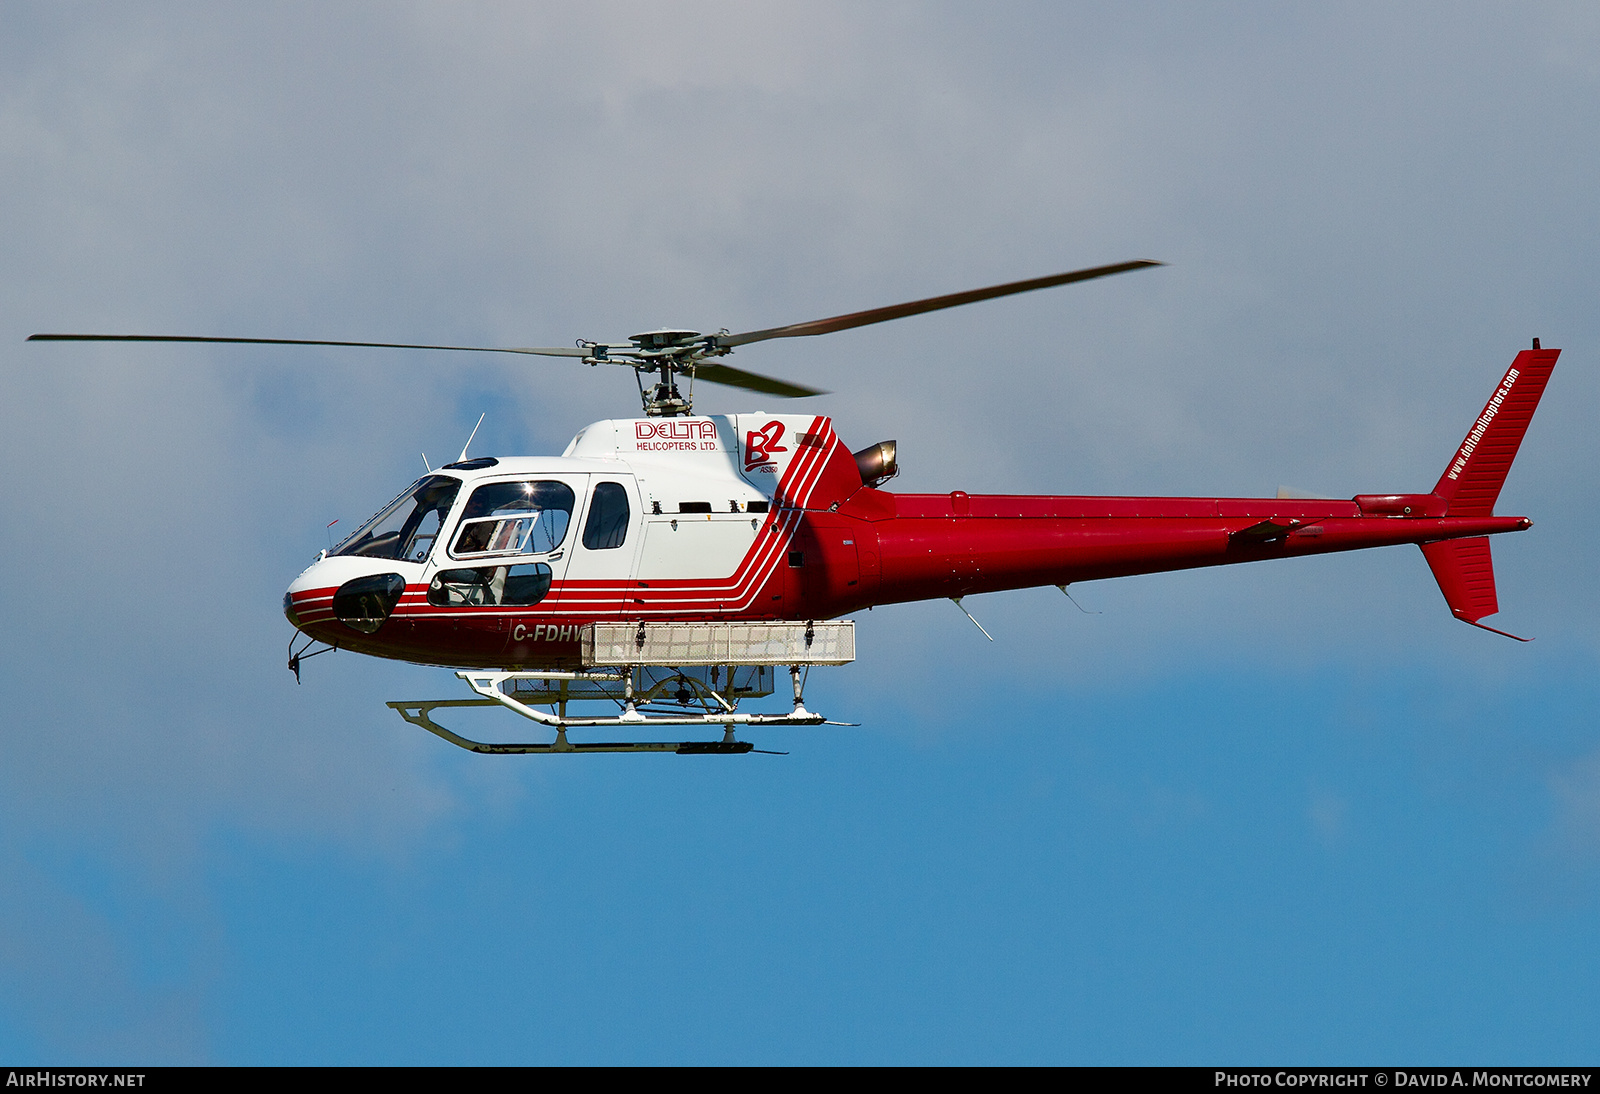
<point>666,353</point>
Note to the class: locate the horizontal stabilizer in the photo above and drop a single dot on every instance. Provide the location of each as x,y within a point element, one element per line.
<point>1266,531</point>
<point>1465,573</point>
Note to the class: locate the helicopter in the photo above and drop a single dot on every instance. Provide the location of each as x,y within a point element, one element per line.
<point>664,567</point>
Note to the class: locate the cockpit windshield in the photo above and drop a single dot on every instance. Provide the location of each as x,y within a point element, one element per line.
<point>407,527</point>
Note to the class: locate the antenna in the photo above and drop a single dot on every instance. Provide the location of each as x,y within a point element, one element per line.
<point>1075,603</point>
<point>468,445</point>
<point>426,464</point>
<point>956,600</point>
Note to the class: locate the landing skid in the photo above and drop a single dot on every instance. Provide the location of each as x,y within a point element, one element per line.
<point>641,708</point>
<point>418,714</point>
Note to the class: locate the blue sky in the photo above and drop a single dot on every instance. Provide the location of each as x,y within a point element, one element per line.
<point>1275,813</point>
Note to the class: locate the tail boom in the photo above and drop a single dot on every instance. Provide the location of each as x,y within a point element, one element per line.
<point>882,548</point>
<point>926,550</point>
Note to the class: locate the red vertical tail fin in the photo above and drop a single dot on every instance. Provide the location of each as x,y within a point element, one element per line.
<point>1472,480</point>
<point>1471,485</point>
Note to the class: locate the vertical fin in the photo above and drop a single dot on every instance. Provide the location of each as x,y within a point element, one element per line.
<point>1471,482</point>
<point>1464,570</point>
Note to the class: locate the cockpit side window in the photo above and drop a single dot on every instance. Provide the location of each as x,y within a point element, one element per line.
<point>514,518</point>
<point>607,525</point>
<point>487,586</point>
<point>407,527</point>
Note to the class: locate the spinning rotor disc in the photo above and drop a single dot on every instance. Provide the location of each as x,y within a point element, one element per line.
<point>670,352</point>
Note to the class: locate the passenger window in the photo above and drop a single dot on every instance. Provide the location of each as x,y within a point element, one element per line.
<point>519,586</point>
<point>515,518</point>
<point>607,525</point>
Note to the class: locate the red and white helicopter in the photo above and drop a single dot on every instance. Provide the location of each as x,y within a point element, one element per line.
<point>663,567</point>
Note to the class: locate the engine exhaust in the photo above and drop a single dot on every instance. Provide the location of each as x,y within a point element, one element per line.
<point>877,463</point>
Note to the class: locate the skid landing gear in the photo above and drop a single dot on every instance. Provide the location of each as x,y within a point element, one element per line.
<point>419,714</point>
<point>703,699</point>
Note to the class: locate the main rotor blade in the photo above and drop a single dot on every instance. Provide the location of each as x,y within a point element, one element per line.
<point>750,381</point>
<point>559,351</point>
<point>917,307</point>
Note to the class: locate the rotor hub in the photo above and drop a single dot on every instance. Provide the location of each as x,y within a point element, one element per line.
<point>664,338</point>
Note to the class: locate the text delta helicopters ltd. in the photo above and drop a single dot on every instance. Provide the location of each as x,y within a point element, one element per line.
<point>663,568</point>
